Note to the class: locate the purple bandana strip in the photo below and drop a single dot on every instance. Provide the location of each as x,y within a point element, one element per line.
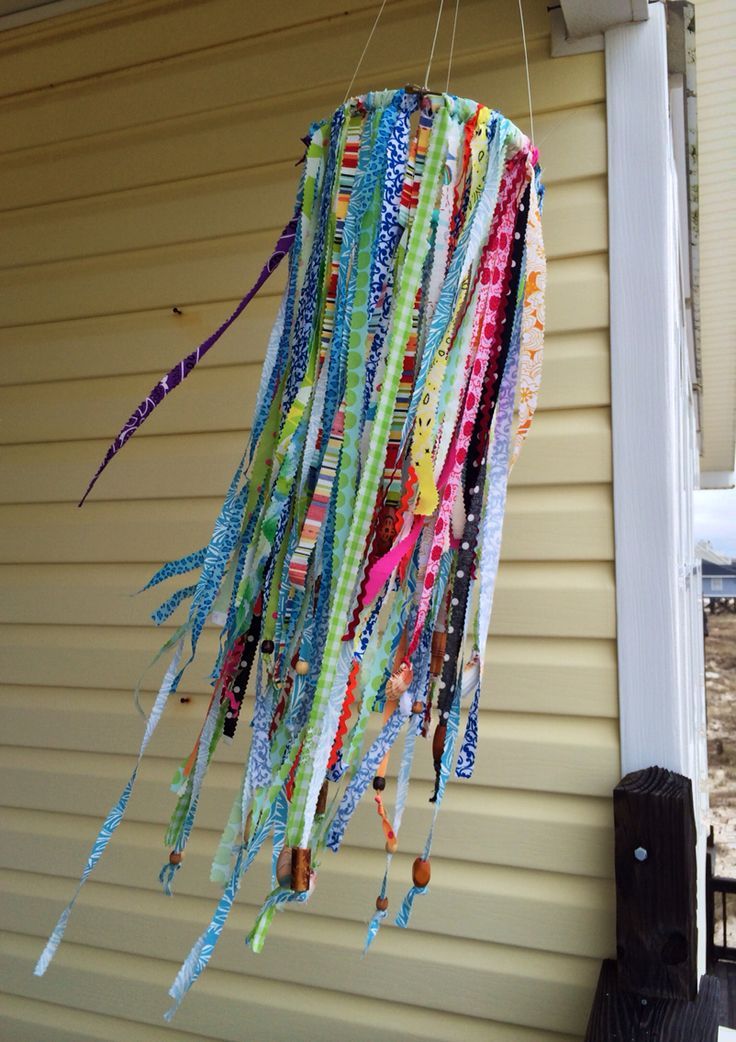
<point>183,368</point>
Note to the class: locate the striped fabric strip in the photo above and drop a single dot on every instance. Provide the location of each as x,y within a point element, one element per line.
<point>301,814</point>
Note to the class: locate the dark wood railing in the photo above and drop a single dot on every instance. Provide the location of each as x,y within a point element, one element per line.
<point>652,990</point>
<point>718,889</point>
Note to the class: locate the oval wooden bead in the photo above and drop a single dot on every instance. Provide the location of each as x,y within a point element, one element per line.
<point>417,707</point>
<point>302,667</point>
<point>439,644</point>
<point>322,798</point>
<point>283,868</point>
<point>381,904</point>
<point>379,783</point>
<point>301,863</point>
<point>175,857</point>
<point>267,647</point>
<point>392,845</point>
<point>421,872</point>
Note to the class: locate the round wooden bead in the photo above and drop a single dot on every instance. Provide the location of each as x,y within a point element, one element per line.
<point>386,531</point>
<point>283,868</point>
<point>392,845</point>
<point>379,783</point>
<point>417,707</point>
<point>267,647</point>
<point>302,667</point>
<point>381,904</point>
<point>421,872</point>
<point>175,857</point>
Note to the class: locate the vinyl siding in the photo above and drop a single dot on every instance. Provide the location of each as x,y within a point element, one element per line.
<point>148,162</point>
<point>715,22</point>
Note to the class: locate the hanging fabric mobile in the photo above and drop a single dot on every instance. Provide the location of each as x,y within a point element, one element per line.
<point>352,566</point>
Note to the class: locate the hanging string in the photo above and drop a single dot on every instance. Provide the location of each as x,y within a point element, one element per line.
<point>452,46</point>
<point>434,43</point>
<point>363,53</point>
<point>528,79</point>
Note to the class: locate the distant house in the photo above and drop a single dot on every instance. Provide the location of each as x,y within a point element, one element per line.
<point>719,580</point>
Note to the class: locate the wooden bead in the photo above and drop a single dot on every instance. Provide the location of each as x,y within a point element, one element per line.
<point>417,707</point>
<point>267,647</point>
<point>379,783</point>
<point>439,644</point>
<point>302,667</point>
<point>392,845</point>
<point>421,872</point>
<point>175,857</point>
<point>381,904</point>
<point>301,858</point>
<point>322,798</point>
<point>283,868</point>
<point>386,531</point>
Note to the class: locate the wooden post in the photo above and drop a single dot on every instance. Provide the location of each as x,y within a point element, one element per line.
<point>656,916</point>
<point>619,1016</point>
<point>651,993</point>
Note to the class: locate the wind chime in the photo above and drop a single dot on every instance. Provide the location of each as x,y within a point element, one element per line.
<point>352,566</point>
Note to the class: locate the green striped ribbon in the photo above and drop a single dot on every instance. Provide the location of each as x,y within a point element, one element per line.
<point>317,745</point>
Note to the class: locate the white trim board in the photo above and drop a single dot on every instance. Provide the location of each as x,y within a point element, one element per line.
<point>659,635</point>
<point>644,379</point>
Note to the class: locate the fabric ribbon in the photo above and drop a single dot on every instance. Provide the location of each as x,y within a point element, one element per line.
<point>183,368</point>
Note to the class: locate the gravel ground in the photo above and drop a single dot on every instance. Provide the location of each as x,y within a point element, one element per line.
<point>720,685</point>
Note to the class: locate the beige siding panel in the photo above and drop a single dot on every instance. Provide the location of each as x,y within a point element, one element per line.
<point>552,832</point>
<point>92,43</point>
<point>156,277</point>
<point>579,753</point>
<point>154,173</point>
<point>467,966</point>
<point>524,674</point>
<point>215,142</point>
<point>220,207</point>
<point>225,396</point>
<point>571,755</point>
<point>573,523</point>
<point>539,598</point>
<point>79,48</point>
<point>569,447</point>
<point>153,341</point>
<point>118,982</point>
<point>174,91</point>
<point>546,911</point>
<point>716,147</point>
<point>47,1022</point>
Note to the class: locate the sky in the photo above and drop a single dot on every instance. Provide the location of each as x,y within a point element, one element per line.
<point>715,518</point>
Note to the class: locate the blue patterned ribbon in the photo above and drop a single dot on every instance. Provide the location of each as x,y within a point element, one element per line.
<point>115,815</point>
